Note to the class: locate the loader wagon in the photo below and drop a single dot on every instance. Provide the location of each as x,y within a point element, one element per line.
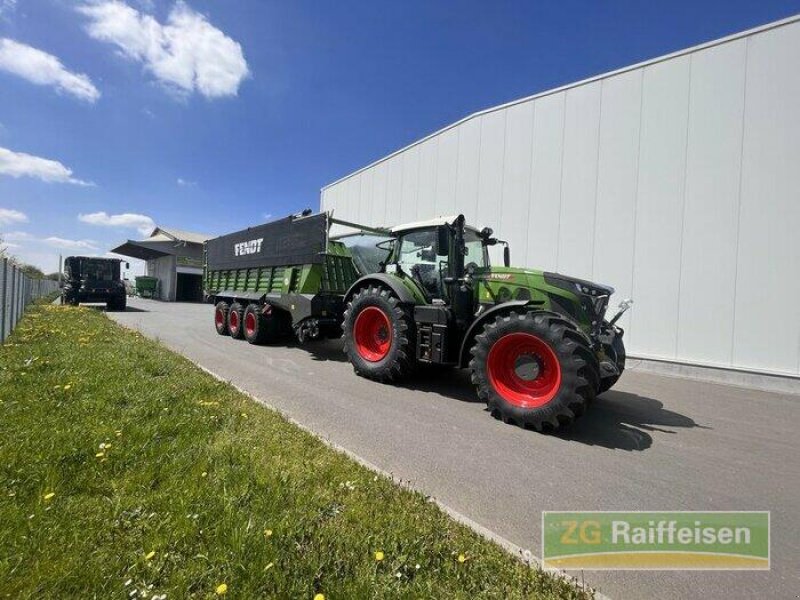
<point>279,278</point>
<point>538,344</point>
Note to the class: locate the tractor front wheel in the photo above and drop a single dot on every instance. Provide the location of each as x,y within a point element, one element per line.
<point>235,318</point>
<point>379,335</point>
<point>534,369</point>
<point>614,350</point>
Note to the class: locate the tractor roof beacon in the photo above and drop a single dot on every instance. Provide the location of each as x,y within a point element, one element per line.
<point>538,344</point>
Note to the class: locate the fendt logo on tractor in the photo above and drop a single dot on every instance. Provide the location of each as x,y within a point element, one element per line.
<point>251,247</point>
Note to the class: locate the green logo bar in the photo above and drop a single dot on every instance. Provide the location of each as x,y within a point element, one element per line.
<point>655,540</point>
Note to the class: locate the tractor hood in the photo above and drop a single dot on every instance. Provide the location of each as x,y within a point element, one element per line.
<point>579,286</point>
<point>583,301</point>
<point>534,278</point>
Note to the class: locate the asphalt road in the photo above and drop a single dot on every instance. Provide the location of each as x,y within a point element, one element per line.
<point>652,443</point>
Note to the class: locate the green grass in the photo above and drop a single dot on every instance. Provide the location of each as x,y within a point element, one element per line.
<point>201,486</point>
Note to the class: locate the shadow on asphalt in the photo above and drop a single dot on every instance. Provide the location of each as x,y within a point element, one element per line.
<point>616,420</point>
<point>623,421</point>
<point>321,349</point>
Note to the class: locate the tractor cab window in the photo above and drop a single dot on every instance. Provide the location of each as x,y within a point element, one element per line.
<point>416,256</point>
<point>476,254</point>
<point>100,271</point>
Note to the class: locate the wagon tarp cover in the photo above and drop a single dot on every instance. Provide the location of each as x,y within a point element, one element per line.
<point>289,241</point>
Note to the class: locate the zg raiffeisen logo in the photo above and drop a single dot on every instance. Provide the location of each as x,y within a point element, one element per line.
<point>655,540</point>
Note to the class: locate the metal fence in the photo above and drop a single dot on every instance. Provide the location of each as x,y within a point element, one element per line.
<point>17,290</point>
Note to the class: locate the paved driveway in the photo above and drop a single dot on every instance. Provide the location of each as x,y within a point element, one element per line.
<point>652,443</point>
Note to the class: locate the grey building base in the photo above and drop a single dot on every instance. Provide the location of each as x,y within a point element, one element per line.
<point>782,384</point>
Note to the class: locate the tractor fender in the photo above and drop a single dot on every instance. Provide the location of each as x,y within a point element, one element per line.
<point>477,325</point>
<point>398,288</point>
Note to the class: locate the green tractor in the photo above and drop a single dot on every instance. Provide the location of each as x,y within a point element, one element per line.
<point>537,344</point>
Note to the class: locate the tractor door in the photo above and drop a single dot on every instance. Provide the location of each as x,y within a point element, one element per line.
<point>416,255</point>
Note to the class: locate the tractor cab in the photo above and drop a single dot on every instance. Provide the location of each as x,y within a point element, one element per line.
<point>438,253</point>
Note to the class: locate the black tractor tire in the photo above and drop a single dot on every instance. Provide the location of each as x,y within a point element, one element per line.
<point>221,317</point>
<point>379,335</point>
<point>258,328</point>
<point>235,321</point>
<point>562,369</point>
<point>615,351</point>
<point>117,304</point>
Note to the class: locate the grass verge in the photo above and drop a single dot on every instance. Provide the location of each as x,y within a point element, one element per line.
<point>125,471</point>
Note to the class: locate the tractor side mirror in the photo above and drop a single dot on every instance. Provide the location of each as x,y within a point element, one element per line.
<point>442,240</point>
<point>486,233</point>
<point>506,256</point>
<point>127,265</point>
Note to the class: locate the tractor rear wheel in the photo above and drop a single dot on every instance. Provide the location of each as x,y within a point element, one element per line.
<point>221,317</point>
<point>379,335</point>
<point>535,369</point>
<point>235,318</point>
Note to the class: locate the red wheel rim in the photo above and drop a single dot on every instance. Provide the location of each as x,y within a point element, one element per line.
<point>219,318</point>
<point>234,321</point>
<point>372,334</point>
<point>524,370</point>
<point>250,324</point>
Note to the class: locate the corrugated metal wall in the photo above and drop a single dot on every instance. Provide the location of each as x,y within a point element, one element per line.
<point>677,182</point>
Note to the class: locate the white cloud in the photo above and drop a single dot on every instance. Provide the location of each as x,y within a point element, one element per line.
<point>16,236</point>
<point>9,215</point>
<point>42,68</point>
<point>7,6</point>
<point>33,250</point>
<point>186,54</point>
<point>186,183</point>
<point>57,242</point>
<point>142,223</point>
<point>19,164</point>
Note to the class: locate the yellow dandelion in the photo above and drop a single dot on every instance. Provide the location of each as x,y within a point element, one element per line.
<point>68,386</point>
<point>222,589</point>
<point>204,474</point>
<point>268,533</point>
<point>379,555</point>
<point>49,495</point>
<point>319,597</point>
<point>56,387</point>
<point>100,455</point>
<point>150,555</point>
<point>269,566</point>
<point>462,558</point>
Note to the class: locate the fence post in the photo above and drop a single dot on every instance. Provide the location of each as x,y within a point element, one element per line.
<point>3,304</point>
<point>13,300</point>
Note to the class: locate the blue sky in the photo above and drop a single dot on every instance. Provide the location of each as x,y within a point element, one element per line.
<point>209,115</point>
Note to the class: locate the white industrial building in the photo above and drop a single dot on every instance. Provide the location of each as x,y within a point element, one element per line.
<point>676,180</point>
